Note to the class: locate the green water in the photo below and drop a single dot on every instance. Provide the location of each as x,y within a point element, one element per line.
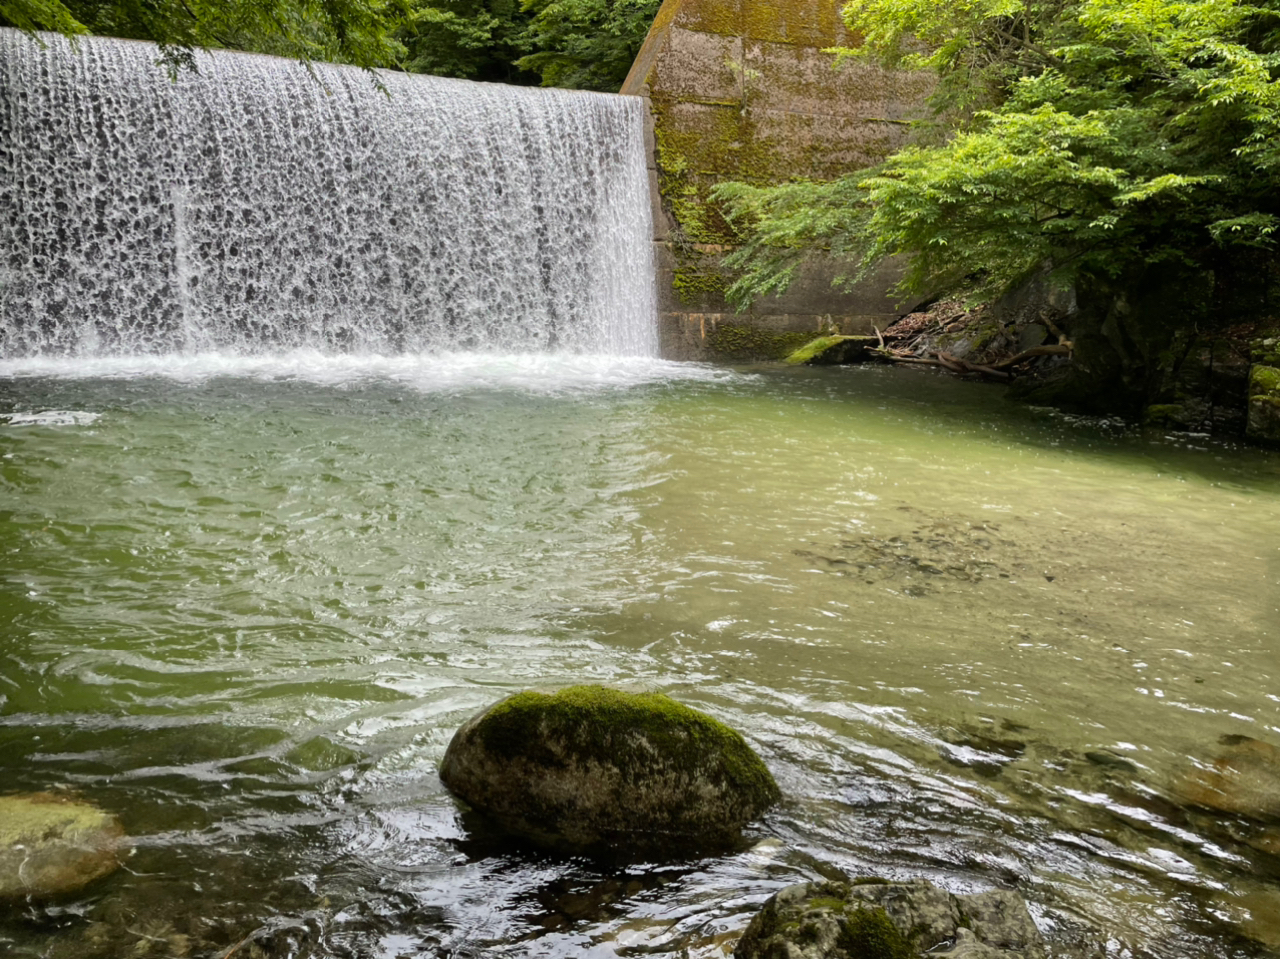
<point>974,641</point>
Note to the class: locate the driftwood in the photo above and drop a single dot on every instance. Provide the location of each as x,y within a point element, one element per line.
<point>998,370</point>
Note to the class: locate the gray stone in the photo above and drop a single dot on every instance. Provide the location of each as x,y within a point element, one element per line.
<point>1031,336</point>
<point>1003,921</point>
<point>869,919</point>
<point>52,844</point>
<point>591,767</point>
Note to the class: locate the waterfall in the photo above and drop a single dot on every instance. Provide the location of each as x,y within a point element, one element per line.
<point>255,207</point>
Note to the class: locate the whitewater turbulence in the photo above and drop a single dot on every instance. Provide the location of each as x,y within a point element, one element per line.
<point>254,208</point>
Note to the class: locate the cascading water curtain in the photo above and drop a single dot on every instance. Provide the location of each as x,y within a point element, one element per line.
<point>253,207</point>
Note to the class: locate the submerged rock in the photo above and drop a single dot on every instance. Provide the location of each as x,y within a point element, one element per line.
<point>873,919</point>
<point>1243,778</point>
<point>591,767</point>
<point>51,844</point>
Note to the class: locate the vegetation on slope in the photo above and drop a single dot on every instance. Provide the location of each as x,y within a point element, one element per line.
<point>1129,152</point>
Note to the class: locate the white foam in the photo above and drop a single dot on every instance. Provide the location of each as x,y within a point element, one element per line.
<point>256,206</point>
<point>52,418</point>
<point>427,373</point>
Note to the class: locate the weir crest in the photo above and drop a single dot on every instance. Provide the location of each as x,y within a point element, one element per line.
<point>254,207</point>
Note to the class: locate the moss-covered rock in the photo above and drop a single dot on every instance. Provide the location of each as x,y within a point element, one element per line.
<point>889,920</point>
<point>52,844</point>
<point>1165,415</point>
<point>829,350</point>
<point>1265,350</point>
<point>1264,404</point>
<point>595,768</point>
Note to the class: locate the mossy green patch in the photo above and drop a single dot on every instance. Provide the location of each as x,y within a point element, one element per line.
<point>1266,350</point>
<point>1164,414</point>
<point>52,844</point>
<point>739,341</point>
<point>868,933</point>
<point>811,350</point>
<point>1264,381</point>
<point>603,723</point>
<point>826,902</point>
<point>35,816</point>
<point>831,349</point>
<point>693,285</point>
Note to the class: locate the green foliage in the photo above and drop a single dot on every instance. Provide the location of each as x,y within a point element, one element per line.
<point>587,44</point>
<point>470,39</point>
<point>1117,138</point>
<point>346,31</point>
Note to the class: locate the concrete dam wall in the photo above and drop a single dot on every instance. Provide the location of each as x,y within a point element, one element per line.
<point>741,90</point>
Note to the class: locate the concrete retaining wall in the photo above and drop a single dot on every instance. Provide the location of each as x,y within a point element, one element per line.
<point>741,90</point>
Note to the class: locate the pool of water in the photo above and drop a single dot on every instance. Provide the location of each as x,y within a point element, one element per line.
<point>245,604</point>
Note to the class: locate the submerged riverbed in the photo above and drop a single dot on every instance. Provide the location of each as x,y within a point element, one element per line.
<point>245,605</point>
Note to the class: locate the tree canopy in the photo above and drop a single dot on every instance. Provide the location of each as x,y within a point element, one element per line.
<point>1129,149</point>
<point>586,44</point>
<point>360,32</point>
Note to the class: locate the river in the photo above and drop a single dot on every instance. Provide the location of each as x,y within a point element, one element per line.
<point>245,604</point>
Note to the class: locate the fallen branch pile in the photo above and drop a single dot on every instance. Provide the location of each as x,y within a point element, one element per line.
<point>914,342</point>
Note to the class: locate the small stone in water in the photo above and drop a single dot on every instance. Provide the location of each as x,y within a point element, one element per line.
<point>51,844</point>
<point>595,768</point>
<point>1243,778</point>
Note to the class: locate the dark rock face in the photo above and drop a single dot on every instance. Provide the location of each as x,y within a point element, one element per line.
<point>590,767</point>
<point>871,919</point>
<point>52,844</point>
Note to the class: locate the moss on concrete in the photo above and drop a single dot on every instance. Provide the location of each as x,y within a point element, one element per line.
<point>693,284</point>
<point>741,342</point>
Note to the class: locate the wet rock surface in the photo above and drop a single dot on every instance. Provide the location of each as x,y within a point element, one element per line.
<point>52,844</point>
<point>873,919</point>
<point>591,768</point>
<point>1243,778</point>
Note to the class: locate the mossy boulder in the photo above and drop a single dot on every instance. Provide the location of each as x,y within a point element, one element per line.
<point>592,768</point>
<point>874,919</point>
<point>830,350</point>
<point>1264,404</point>
<point>52,844</point>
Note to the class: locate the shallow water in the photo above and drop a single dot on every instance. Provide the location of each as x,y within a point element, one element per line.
<point>246,603</point>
